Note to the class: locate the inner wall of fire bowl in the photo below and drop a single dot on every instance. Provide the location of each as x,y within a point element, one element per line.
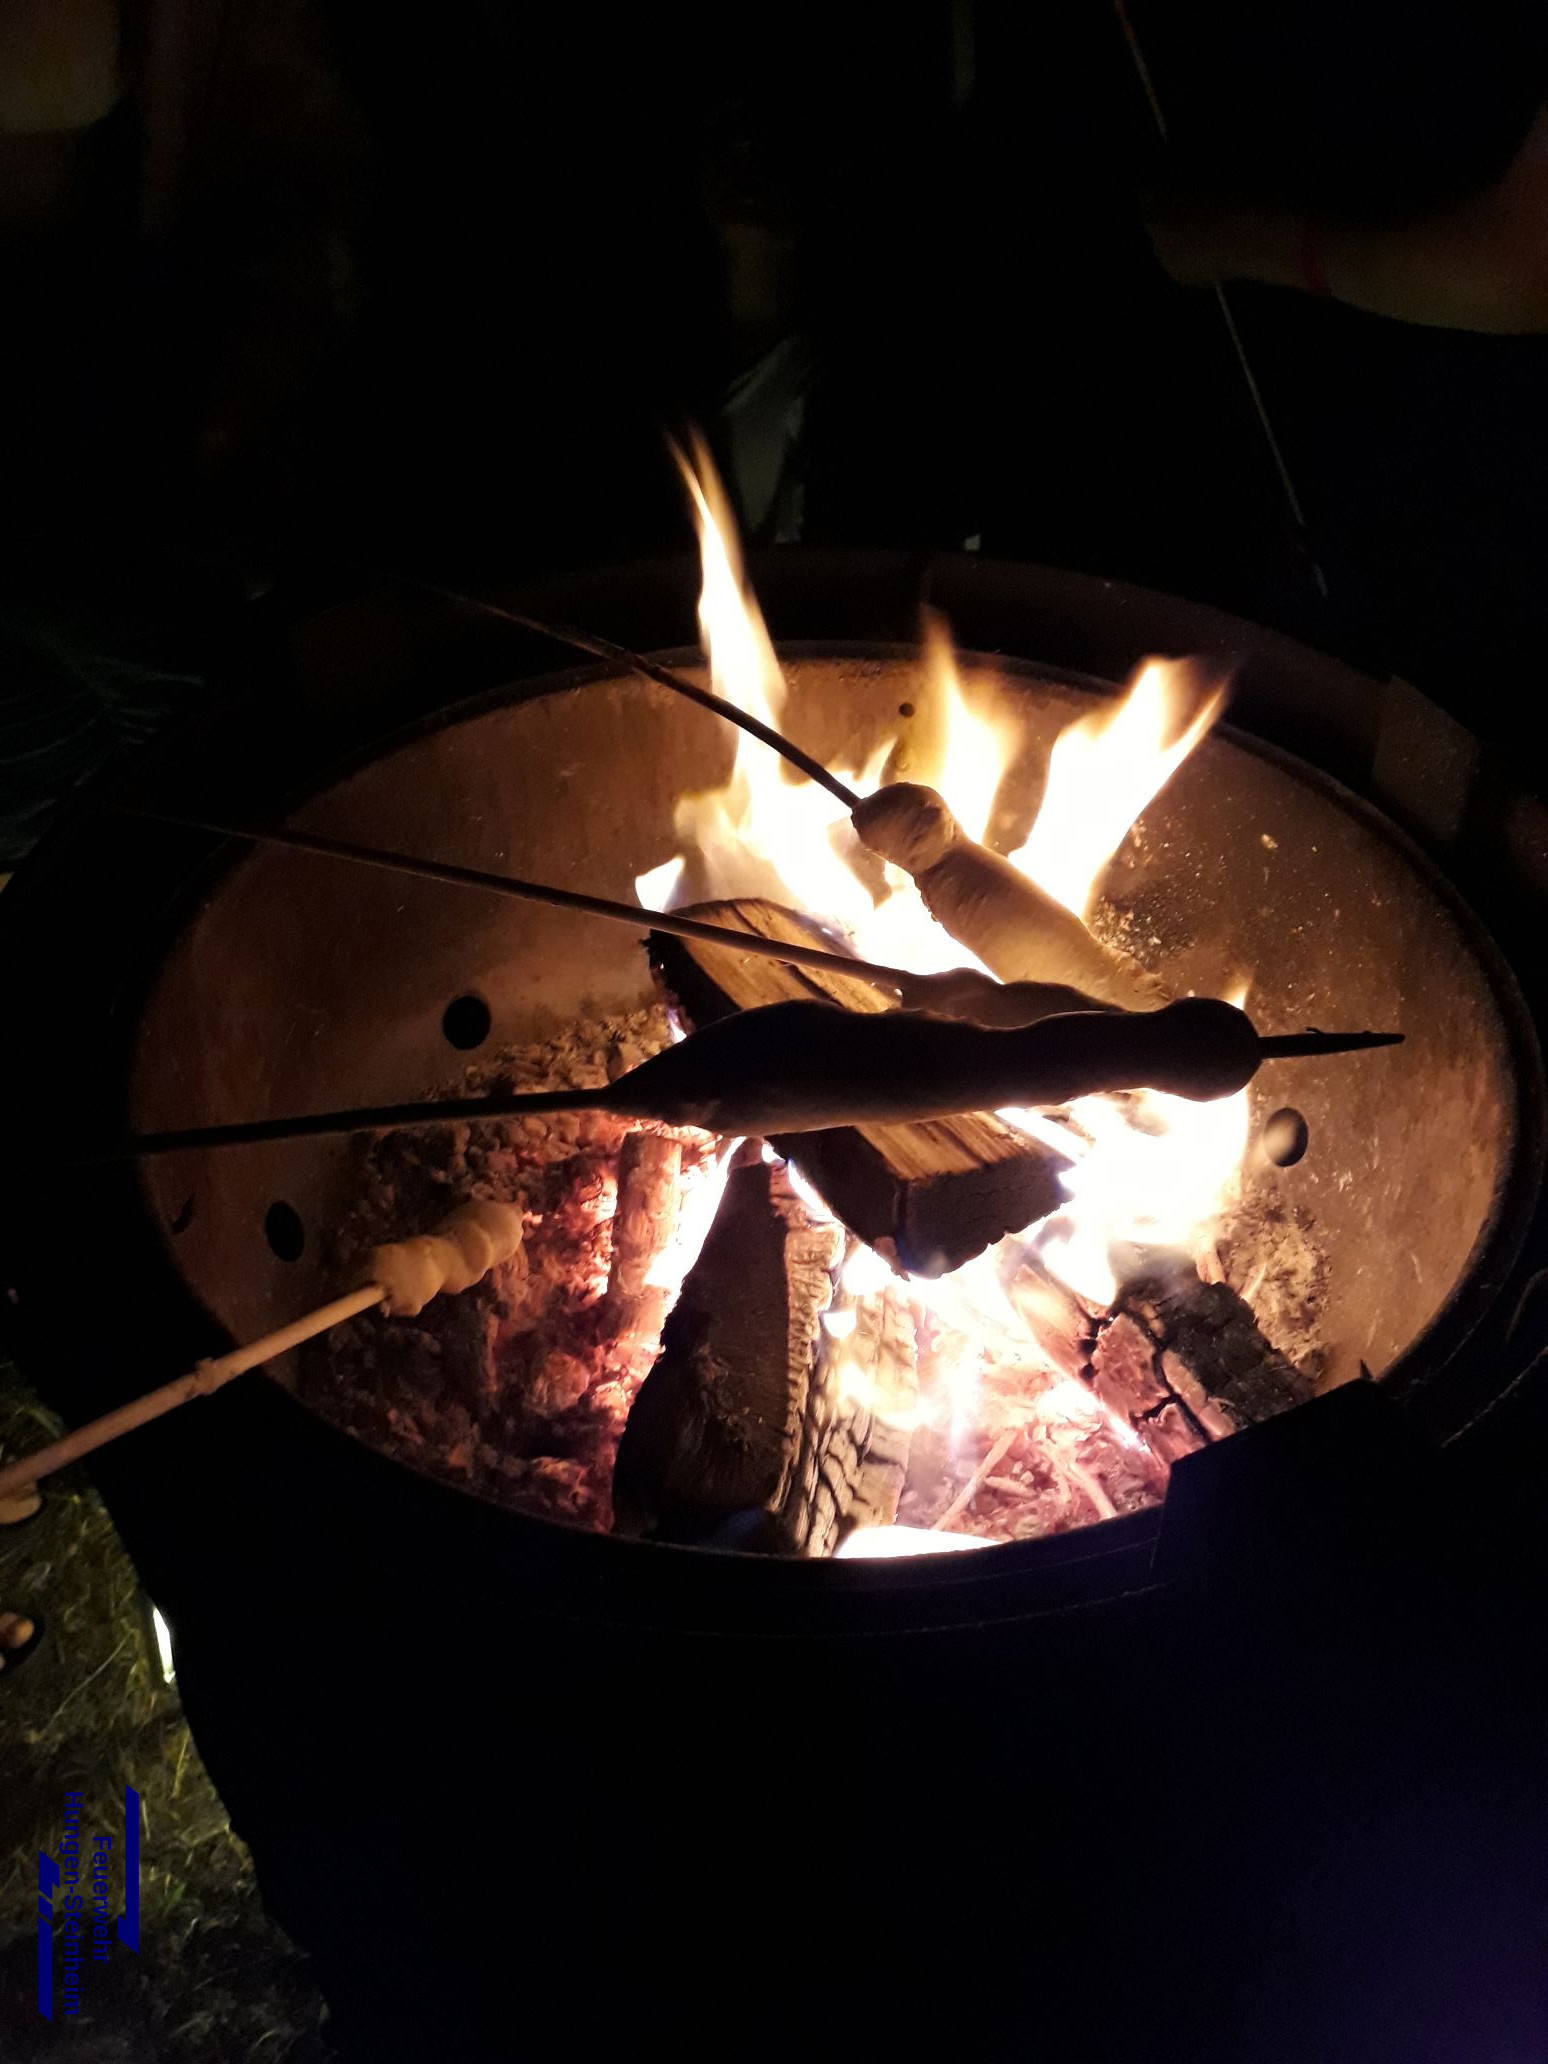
<point>303,983</point>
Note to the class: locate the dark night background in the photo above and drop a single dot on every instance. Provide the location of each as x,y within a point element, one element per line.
<point>427,291</point>
<point>420,291</point>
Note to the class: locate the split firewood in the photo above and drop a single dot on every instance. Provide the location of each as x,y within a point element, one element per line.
<point>938,1190</point>
<point>1183,1361</point>
<point>752,1408</point>
<point>1176,1354</point>
<point>856,1428</point>
<point>650,1168</point>
<point>986,904</point>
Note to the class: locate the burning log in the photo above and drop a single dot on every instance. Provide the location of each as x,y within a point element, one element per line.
<point>1178,1352</point>
<point>650,1168</point>
<point>751,1407</point>
<point>1183,1361</point>
<point>937,1191</point>
<point>856,1435</point>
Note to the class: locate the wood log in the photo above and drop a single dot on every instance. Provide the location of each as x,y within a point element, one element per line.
<point>650,1167</point>
<point>752,1408</point>
<point>1204,1353</point>
<point>1183,1361</point>
<point>856,1428</point>
<point>930,1194</point>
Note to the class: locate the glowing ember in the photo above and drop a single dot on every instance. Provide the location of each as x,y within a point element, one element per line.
<point>699,1201</point>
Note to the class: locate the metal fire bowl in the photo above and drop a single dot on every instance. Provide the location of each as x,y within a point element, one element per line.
<point>374,1663</point>
<point>300,983</point>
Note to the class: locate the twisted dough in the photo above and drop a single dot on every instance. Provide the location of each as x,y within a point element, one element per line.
<point>987,904</point>
<point>477,1237</point>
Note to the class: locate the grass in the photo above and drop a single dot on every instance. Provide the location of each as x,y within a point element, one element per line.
<point>215,1980</point>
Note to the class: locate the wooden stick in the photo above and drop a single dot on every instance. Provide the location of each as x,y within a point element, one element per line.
<point>635,663</point>
<point>199,1382</point>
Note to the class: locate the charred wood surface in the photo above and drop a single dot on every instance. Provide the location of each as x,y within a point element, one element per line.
<point>854,1449</point>
<point>1182,1360</point>
<point>939,1190</point>
<point>750,1408</point>
<point>1207,1351</point>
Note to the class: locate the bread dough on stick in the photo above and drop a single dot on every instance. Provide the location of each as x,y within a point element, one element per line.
<point>1014,927</point>
<point>477,1237</point>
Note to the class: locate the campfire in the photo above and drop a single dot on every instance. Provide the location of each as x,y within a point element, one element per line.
<point>872,1338</point>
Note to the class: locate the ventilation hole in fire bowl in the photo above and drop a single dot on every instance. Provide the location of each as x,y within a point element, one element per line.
<point>466,1022</point>
<point>285,1233</point>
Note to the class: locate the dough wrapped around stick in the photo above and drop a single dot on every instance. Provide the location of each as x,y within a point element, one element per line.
<point>477,1237</point>
<point>1014,927</point>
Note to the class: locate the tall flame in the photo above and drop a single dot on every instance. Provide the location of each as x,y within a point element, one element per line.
<point>1147,1171</point>
<point>762,834</point>
<point>1103,771</point>
<point>945,744</point>
<point>1152,1170</point>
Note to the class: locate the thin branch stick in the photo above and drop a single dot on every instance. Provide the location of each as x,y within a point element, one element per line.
<point>632,914</point>
<point>975,1482</point>
<point>664,677</point>
<point>199,1382</point>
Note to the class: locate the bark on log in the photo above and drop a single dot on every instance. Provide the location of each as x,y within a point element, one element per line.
<point>932,1193</point>
<point>650,1167</point>
<point>751,1407</point>
<point>1205,1358</point>
<point>855,1429</point>
<point>1182,1360</point>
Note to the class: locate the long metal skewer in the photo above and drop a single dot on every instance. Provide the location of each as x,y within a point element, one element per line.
<point>619,1095</point>
<point>636,663</point>
<point>1249,377</point>
<point>637,916</point>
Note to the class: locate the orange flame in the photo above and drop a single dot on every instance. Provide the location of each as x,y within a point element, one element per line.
<point>1147,1171</point>
<point>1103,771</point>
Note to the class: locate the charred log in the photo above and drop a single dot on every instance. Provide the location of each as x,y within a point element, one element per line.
<point>855,1437</point>
<point>749,1409</point>
<point>933,1193</point>
<point>1208,1356</point>
<point>1182,1360</point>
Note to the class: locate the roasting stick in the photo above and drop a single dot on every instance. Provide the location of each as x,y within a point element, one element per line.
<point>664,677</point>
<point>960,992</point>
<point>810,1067</point>
<point>199,1382</point>
<point>1243,362</point>
<point>414,1270</point>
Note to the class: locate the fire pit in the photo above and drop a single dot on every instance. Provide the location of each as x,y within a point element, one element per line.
<point>1084,1296</point>
<point>381,1667</point>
